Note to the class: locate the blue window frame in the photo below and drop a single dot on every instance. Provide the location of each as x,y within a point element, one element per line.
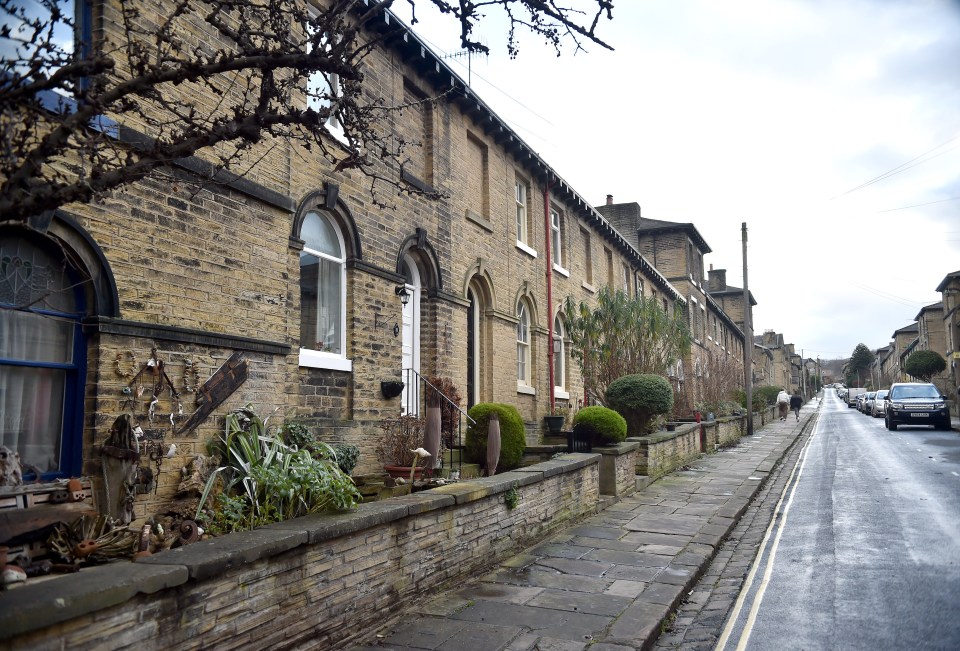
<point>42,357</point>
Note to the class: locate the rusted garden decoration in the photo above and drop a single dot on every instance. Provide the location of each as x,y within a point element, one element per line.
<point>493,444</point>
<point>431,436</point>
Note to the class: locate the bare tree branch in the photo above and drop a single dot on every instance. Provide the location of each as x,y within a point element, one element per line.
<point>77,120</point>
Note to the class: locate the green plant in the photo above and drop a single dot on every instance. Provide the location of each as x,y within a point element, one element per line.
<point>638,398</point>
<point>620,335</point>
<point>299,435</point>
<point>924,364</point>
<point>512,439</point>
<point>759,402</point>
<point>401,436</point>
<point>604,425</point>
<point>512,497</point>
<point>767,393</point>
<point>347,457</point>
<point>265,480</point>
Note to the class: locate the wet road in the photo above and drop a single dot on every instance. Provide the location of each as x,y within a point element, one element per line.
<point>865,550</point>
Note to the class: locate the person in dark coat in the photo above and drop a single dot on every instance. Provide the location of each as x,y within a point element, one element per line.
<point>795,403</point>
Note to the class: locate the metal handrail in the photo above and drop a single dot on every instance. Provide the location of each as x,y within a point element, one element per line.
<point>414,384</point>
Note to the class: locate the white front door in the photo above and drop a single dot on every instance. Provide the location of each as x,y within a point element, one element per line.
<point>410,341</point>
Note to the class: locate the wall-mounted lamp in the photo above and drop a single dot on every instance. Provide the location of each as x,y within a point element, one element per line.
<point>404,295</point>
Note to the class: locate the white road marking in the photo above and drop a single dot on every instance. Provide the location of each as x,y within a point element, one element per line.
<point>791,487</point>
<point>954,474</point>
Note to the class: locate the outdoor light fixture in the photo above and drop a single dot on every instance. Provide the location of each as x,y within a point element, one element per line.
<point>404,295</point>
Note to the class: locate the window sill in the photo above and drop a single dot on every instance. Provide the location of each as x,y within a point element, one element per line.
<point>526,389</point>
<point>317,359</point>
<point>560,270</point>
<point>587,286</point>
<point>526,249</point>
<point>560,393</point>
<point>479,221</point>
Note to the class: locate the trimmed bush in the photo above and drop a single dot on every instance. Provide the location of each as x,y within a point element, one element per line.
<point>638,398</point>
<point>512,440</point>
<point>605,426</point>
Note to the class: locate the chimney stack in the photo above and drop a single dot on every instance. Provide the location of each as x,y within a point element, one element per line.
<point>609,199</point>
<point>717,280</point>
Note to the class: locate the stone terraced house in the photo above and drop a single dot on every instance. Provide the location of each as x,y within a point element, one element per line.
<point>285,285</point>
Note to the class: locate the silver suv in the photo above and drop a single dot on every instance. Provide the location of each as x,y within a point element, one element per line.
<point>915,403</point>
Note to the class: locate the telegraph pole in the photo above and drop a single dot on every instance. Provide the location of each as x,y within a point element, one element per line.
<point>747,336</point>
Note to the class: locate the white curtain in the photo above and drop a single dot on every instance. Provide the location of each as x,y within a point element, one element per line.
<point>31,397</point>
<point>36,347</point>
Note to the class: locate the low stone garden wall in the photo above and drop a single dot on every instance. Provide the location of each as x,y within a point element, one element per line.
<point>663,452</point>
<point>314,582</point>
<point>618,465</point>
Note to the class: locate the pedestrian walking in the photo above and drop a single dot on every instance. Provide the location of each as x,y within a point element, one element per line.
<point>795,403</point>
<point>783,403</point>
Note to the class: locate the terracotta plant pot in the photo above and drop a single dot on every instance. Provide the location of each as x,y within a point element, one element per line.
<point>403,472</point>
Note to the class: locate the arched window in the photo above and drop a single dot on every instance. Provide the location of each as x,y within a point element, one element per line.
<point>523,344</point>
<point>559,359</point>
<point>323,291</point>
<point>42,356</point>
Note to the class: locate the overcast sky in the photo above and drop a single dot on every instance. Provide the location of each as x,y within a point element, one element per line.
<point>776,113</point>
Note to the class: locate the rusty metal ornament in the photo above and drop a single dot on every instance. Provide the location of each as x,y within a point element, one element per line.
<point>189,532</point>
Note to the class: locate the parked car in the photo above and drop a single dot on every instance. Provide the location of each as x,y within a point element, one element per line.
<point>878,408</point>
<point>866,404</point>
<point>852,394</point>
<point>915,403</point>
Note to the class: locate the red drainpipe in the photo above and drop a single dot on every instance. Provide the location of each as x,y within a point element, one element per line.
<point>548,230</point>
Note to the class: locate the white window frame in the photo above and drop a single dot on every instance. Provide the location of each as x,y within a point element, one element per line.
<point>523,344</point>
<point>559,366</point>
<point>319,79</point>
<point>520,199</point>
<point>556,240</point>
<point>312,358</point>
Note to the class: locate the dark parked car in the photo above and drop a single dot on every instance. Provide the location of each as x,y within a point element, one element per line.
<point>915,403</point>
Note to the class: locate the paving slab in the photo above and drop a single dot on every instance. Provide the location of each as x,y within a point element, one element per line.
<point>610,582</point>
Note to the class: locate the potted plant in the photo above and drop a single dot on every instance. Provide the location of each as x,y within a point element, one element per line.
<point>557,417</point>
<point>401,438</point>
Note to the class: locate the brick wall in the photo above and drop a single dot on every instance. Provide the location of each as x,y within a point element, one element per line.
<point>313,583</point>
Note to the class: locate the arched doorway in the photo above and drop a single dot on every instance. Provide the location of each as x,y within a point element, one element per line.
<point>473,347</point>
<point>479,370</point>
<point>410,336</point>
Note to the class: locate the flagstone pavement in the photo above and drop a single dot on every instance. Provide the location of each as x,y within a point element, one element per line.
<point>609,582</point>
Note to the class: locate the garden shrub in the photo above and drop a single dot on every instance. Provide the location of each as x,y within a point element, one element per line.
<point>263,479</point>
<point>768,393</point>
<point>759,402</point>
<point>605,426</point>
<point>512,439</point>
<point>347,457</point>
<point>638,398</point>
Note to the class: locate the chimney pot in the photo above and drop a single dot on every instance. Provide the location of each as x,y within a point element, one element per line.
<point>609,199</point>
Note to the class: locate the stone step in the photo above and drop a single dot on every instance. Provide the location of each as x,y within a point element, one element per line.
<point>467,470</point>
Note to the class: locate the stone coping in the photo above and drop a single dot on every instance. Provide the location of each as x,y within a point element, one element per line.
<point>619,449</point>
<point>660,436</point>
<point>43,603</point>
